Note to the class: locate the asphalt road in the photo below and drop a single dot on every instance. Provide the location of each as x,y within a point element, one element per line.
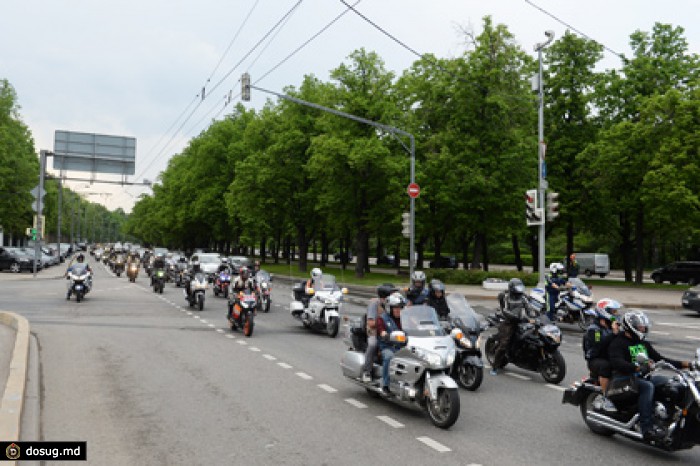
<point>145,380</point>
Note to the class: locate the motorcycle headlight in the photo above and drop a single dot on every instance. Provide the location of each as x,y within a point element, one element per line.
<point>451,357</point>
<point>432,359</point>
<point>465,342</point>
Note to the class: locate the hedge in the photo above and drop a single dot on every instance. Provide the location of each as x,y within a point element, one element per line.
<point>476,277</point>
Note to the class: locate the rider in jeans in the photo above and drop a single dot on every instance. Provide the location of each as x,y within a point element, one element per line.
<point>374,310</point>
<point>387,323</point>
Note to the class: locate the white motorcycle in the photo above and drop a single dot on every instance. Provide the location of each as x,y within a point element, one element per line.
<point>79,283</point>
<point>319,307</point>
<point>198,288</point>
<point>572,304</point>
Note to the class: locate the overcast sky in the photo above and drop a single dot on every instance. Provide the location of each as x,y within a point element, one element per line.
<point>132,67</point>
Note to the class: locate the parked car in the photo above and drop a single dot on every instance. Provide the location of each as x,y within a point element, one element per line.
<point>681,271</point>
<point>444,263</point>
<point>15,261</point>
<point>348,256</point>
<point>388,259</point>
<point>691,299</point>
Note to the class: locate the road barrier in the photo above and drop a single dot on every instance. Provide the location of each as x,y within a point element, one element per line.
<point>12,402</point>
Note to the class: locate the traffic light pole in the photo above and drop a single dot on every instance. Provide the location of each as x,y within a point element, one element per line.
<point>39,211</point>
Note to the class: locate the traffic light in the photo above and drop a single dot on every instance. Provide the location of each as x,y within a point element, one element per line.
<point>406,224</point>
<point>552,206</point>
<point>33,232</point>
<point>245,87</point>
<point>533,214</point>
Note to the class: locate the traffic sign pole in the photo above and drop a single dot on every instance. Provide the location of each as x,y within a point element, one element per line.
<point>39,210</point>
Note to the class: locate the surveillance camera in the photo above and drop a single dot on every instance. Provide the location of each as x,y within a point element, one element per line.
<point>549,34</point>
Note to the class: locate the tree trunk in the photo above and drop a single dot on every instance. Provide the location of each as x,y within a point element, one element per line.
<point>361,242</point>
<point>397,254</point>
<point>420,250</point>
<point>465,241</point>
<point>303,243</point>
<point>263,250</point>
<point>378,251</point>
<point>639,227</point>
<point>324,249</point>
<point>626,247</point>
<point>484,245</point>
<point>569,242</point>
<point>366,258</point>
<point>535,251</point>
<point>437,240</point>
<point>516,253</point>
<point>478,250</point>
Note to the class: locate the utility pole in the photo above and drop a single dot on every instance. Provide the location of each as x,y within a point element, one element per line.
<point>541,167</point>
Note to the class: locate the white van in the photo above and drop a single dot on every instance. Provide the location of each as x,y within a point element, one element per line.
<point>593,264</point>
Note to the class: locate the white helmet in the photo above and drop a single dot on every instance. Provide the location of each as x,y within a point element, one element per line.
<point>418,276</point>
<point>556,267</point>
<point>396,300</point>
<point>316,273</point>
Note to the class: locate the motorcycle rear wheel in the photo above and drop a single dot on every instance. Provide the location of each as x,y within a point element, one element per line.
<point>587,406</point>
<point>553,368</point>
<point>469,377</point>
<point>444,411</point>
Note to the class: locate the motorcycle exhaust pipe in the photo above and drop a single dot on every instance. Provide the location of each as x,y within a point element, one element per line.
<point>617,426</point>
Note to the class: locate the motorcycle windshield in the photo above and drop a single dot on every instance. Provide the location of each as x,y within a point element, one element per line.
<point>326,283</point>
<point>79,269</point>
<point>462,314</point>
<point>421,321</point>
<point>580,286</point>
<point>262,276</point>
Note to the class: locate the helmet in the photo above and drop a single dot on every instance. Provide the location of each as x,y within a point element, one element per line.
<point>437,285</point>
<point>244,272</point>
<point>418,276</point>
<point>396,299</point>
<point>637,324</point>
<point>195,266</point>
<point>80,258</point>
<point>516,289</point>
<point>224,261</point>
<point>610,306</point>
<point>385,289</point>
<point>316,273</point>
<point>556,268</point>
<point>160,255</point>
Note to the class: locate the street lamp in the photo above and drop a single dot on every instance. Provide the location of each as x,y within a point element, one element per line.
<point>541,167</point>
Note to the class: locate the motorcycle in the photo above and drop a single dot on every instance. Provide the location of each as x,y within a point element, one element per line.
<point>534,347</point>
<point>132,271</point>
<point>676,406</point>
<point>263,279</point>
<point>119,266</point>
<point>241,312</point>
<point>222,283</point>
<point>572,304</point>
<point>198,286</point>
<point>158,281</point>
<point>321,310</point>
<point>79,282</point>
<point>468,367</point>
<point>418,371</point>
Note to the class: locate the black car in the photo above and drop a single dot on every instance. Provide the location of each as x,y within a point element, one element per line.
<point>682,271</point>
<point>15,261</point>
<point>348,256</point>
<point>444,263</point>
<point>388,259</point>
<point>691,299</point>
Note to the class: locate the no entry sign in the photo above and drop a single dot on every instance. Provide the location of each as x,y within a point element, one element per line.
<point>413,190</point>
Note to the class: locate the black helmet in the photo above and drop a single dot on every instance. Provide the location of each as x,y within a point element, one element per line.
<point>516,289</point>
<point>80,258</point>
<point>385,289</point>
<point>637,324</point>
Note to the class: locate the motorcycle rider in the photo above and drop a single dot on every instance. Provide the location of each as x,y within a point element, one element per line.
<point>80,258</point>
<point>375,309</point>
<point>573,268</point>
<point>598,336</point>
<point>623,350</point>
<point>194,269</point>
<point>436,298</point>
<point>387,323</point>
<point>514,306</point>
<point>158,264</point>
<point>242,283</point>
<point>313,282</point>
<point>554,281</point>
<point>417,293</point>
<point>224,266</point>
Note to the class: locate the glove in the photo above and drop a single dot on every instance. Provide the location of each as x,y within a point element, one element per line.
<point>694,365</point>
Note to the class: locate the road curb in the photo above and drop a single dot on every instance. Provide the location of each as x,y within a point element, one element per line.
<point>12,401</point>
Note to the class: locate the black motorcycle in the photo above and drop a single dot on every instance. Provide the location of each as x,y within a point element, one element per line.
<point>158,280</point>
<point>465,328</point>
<point>676,406</point>
<point>534,347</point>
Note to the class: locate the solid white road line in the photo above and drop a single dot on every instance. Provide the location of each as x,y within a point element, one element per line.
<point>304,375</point>
<point>433,444</point>
<point>555,387</point>
<point>692,337</point>
<point>356,403</point>
<point>392,422</point>
<point>518,376</point>
<point>327,388</point>
<point>656,332</point>
<point>269,357</point>
<point>284,365</point>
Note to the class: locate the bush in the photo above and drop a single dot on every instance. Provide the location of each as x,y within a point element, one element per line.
<point>476,277</point>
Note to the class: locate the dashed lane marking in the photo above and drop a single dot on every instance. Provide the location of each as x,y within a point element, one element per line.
<point>327,388</point>
<point>211,325</point>
<point>692,337</point>
<point>392,422</point>
<point>284,365</point>
<point>304,375</point>
<point>518,376</point>
<point>555,387</point>
<point>231,336</point>
<point>242,342</point>
<point>433,444</point>
<point>656,332</point>
<point>219,330</point>
<point>197,317</point>
<point>269,357</point>
<point>204,321</point>
<point>254,349</point>
<point>356,403</point>
<point>189,313</point>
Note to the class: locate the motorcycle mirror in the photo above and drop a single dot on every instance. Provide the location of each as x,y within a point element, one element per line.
<point>271,277</point>
<point>641,358</point>
<point>697,354</point>
<point>344,290</point>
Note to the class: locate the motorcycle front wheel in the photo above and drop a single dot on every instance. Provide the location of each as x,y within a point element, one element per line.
<point>469,377</point>
<point>200,301</point>
<point>490,349</point>
<point>78,296</point>
<point>332,326</point>
<point>248,325</point>
<point>267,306</point>
<point>444,410</point>
<point>553,367</point>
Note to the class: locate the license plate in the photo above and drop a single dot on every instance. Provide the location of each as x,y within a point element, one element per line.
<point>78,287</point>
<point>685,301</point>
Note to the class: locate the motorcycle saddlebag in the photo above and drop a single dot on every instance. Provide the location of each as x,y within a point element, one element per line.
<point>623,390</point>
<point>299,290</point>
<point>576,394</point>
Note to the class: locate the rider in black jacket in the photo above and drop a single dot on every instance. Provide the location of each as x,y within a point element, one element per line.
<point>436,298</point>
<point>514,306</point>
